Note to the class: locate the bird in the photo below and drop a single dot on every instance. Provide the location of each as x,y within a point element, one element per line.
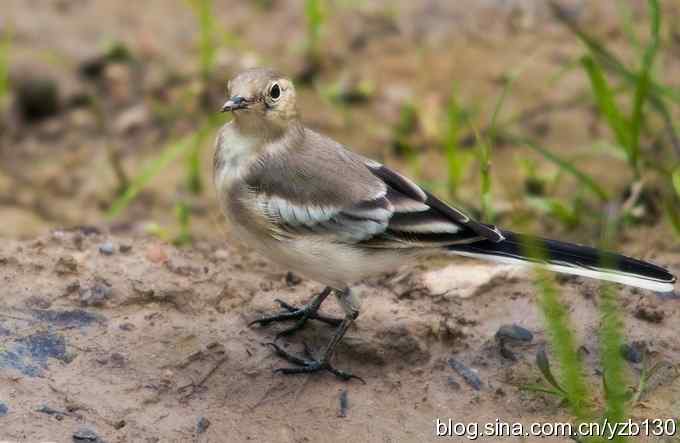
<point>313,206</point>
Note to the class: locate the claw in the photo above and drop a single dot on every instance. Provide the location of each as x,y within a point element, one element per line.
<point>309,365</point>
<point>309,311</point>
<point>285,305</point>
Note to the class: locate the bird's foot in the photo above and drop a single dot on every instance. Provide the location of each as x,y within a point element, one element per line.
<point>309,364</point>
<point>309,311</point>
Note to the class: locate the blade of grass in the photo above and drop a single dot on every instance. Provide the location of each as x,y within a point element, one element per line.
<point>644,82</point>
<point>315,18</point>
<point>612,63</point>
<point>456,159</point>
<point>606,103</point>
<point>203,9</point>
<point>562,339</point>
<point>671,206</point>
<point>544,366</point>
<point>183,214</point>
<point>611,341</point>
<point>154,167</point>
<point>510,79</point>
<point>675,178</point>
<point>484,159</point>
<point>5,46</point>
<point>607,58</point>
<point>565,165</point>
<point>194,182</point>
<point>611,335</point>
<point>628,27</point>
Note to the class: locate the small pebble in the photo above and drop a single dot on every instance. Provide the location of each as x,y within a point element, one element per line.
<point>344,403</point>
<point>106,248</point>
<point>117,360</point>
<point>203,425</point>
<point>66,265</point>
<point>648,311</point>
<point>124,249</point>
<point>44,409</point>
<point>292,279</point>
<point>85,434</point>
<point>469,375</point>
<point>3,409</point>
<point>37,98</point>
<point>89,230</point>
<point>633,352</point>
<point>120,424</point>
<point>96,295</point>
<point>156,254</point>
<point>515,333</point>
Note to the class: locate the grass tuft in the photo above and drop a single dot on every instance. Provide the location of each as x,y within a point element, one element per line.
<point>611,341</point>
<point>171,152</point>
<point>203,9</point>
<point>456,159</point>
<point>5,46</point>
<point>315,20</point>
<point>484,161</point>
<point>564,347</point>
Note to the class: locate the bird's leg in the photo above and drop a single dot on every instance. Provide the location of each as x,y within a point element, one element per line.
<point>350,304</point>
<point>309,311</point>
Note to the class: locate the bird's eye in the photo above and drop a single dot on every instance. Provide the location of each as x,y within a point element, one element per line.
<point>275,91</point>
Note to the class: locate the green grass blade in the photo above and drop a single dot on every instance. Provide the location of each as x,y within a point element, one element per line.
<point>194,182</point>
<point>562,340</point>
<point>544,366</point>
<point>671,206</point>
<point>628,23</point>
<point>315,19</point>
<point>604,97</point>
<point>5,46</point>
<point>183,214</point>
<point>484,159</point>
<point>608,59</point>
<point>564,165</point>
<point>155,166</point>
<point>151,170</point>
<point>509,82</point>
<point>456,159</point>
<point>658,92</point>
<point>675,178</point>
<point>203,9</point>
<point>611,341</point>
<point>642,88</point>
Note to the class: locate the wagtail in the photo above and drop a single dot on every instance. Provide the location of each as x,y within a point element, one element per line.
<point>314,207</point>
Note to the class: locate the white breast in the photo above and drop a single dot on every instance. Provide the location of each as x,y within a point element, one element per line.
<point>234,151</point>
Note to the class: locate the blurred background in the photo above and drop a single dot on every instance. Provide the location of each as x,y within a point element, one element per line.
<point>556,117</point>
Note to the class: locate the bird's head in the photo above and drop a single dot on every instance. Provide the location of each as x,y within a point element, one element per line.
<point>262,95</point>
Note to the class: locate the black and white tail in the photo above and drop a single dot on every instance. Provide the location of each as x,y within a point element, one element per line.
<point>570,258</point>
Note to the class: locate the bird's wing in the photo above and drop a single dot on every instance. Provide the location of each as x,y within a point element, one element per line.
<point>421,219</point>
<point>423,213</point>
<point>346,198</point>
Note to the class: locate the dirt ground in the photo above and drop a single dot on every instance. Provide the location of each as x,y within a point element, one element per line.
<point>108,333</point>
<point>144,344</point>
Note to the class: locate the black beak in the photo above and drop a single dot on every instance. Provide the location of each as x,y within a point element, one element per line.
<point>234,103</point>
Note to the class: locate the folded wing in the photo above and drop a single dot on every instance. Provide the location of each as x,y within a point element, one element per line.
<point>399,214</point>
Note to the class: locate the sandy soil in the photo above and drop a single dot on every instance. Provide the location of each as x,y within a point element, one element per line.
<point>145,344</point>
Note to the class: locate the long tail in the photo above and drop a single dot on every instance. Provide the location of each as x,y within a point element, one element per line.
<point>570,258</point>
